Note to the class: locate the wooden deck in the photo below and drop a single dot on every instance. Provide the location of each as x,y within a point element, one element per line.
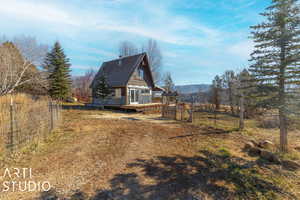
<point>151,107</point>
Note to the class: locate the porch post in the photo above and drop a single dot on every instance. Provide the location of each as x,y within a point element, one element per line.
<point>126,95</point>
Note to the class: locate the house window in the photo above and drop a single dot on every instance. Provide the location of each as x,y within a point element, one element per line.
<point>118,93</point>
<point>113,93</point>
<point>146,91</point>
<point>141,73</point>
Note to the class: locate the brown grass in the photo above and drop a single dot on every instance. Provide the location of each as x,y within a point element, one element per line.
<point>31,118</point>
<point>142,160</point>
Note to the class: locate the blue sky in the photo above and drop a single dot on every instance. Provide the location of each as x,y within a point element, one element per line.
<point>198,38</point>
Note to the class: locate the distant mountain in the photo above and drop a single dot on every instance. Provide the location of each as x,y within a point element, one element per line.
<point>188,89</point>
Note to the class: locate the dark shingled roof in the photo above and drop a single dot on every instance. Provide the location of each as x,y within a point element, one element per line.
<point>119,71</point>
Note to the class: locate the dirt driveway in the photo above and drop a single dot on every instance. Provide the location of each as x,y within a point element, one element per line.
<point>100,155</point>
<point>153,118</point>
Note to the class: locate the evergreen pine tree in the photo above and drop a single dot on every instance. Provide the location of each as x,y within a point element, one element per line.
<point>276,56</point>
<point>58,67</point>
<point>102,89</point>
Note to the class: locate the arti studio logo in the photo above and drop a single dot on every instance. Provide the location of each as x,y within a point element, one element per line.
<point>21,180</point>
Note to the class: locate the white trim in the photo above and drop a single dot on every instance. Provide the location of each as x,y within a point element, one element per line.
<point>135,91</point>
<point>138,87</point>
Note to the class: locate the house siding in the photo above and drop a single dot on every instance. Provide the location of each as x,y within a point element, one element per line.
<point>134,81</point>
<point>138,81</point>
<point>111,101</point>
<point>144,99</point>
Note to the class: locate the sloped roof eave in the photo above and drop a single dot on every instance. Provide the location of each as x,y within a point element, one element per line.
<point>119,76</point>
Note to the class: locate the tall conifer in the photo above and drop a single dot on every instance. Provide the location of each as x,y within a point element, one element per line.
<point>102,89</point>
<point>58,68</point>
<point>276,57</point>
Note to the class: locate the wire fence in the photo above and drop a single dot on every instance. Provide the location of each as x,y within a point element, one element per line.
<point>201,115</point>
<point>22,123</point>
<point>180,111</point>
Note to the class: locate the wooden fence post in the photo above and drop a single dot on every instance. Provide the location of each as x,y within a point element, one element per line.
<point>51,113</point>
<point>182,110</point>
<point>176,111</point>
<point>10,144</point>
<point>242,110</point>
<point>215,119</point>
<point>191,112</point>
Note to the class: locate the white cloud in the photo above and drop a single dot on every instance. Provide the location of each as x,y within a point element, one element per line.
<point>36,11</point>
<point>165,26</point>
<point>84,67</point>
<point>242,49</point>
<point>90,30</point>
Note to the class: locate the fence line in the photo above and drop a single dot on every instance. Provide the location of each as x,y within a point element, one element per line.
<point>182,112</point>
<point>21,123</point>
<point>169,112</point>
<point>199,114</point>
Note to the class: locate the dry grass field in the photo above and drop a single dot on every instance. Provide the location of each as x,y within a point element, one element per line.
<point>101,155</point>
<point>22,103</point>
<point>29,118</point>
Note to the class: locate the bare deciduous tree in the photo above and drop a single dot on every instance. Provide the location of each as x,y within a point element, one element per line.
<point>31,49</point>
<point>155,58</point>
<point>81,85</point>
<point>228,80</point>
<point>13,68</point>
<point>168,83</point>
<point>243,87</point>
<point>17,63</point>
<point>153,51</point>
<point>127,48</point>
<point>216,92</point>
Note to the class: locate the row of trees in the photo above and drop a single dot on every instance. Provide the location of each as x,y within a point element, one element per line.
<point>27,66</point>
<point>235,90</point>
<point>272,81</point>
<point>276,59</point>
<point>230,88</point>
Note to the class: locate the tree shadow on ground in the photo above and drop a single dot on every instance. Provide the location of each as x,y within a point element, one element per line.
<point>208,131</point>
<point>131,118</point>
<point>213,175</point>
